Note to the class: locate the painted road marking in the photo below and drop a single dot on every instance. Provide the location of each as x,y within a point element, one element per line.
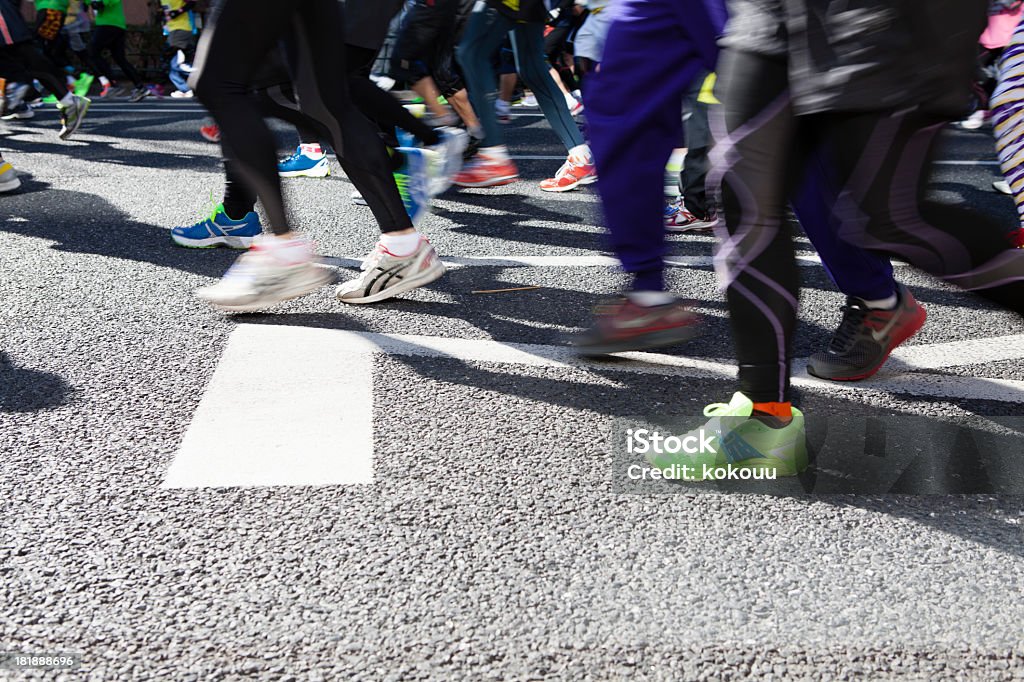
<point>565,261</point>
<point>300,413</point>
<point>294,405</point>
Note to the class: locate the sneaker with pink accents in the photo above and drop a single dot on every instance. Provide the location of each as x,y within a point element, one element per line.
<point>384,275</point>
<point>272,271</point>
<point>577,170</point>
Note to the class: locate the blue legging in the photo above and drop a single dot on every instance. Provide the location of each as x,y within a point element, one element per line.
<point>485,31</point>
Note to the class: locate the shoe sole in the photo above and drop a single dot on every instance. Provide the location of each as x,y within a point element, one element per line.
<point>420,280</point>
<point>10,186</point>
<point>240,243</point>
<point>585,181</point>
<point>660,339</point>
<point>680,229</point>
<point>78,123</point>
<point>490,183</point>
<point>913,329</point>
<point>324,277</point>
<point>305,174</point>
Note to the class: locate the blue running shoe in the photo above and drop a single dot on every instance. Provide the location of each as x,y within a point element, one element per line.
<point>219,229</point>
<point>672,209</point>
<point>304,165</point>
<point>413,182</point>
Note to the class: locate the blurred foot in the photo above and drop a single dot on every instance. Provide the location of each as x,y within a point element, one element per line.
<point>622,325</point>
<point>210,133</point>
<point>8,177</point>
<point>71,115</point>
<point>487,170</point>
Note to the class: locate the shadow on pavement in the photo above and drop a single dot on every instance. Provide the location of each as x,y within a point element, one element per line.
<point>29,390</point>
<point>86,223</point>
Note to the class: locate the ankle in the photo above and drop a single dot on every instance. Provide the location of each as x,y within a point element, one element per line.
<point>775,415</point>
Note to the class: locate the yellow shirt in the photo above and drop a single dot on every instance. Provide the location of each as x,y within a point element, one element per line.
<point>182,22</point>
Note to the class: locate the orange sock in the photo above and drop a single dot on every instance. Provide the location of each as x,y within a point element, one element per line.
<point>783,411</point>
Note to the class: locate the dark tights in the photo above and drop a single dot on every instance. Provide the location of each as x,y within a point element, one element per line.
<point>879,163</point>
<point>235,45</point>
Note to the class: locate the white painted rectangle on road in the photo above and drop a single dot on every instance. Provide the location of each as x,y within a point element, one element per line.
<point>286,406</point>
<point>294,405</point>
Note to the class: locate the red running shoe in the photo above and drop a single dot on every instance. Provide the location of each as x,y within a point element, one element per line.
<point>621,325</point>
<point>486,171</point>
<point>210,133</point>
<point>865,337</point>
<point>1017,237</point>
<point>573,173</point>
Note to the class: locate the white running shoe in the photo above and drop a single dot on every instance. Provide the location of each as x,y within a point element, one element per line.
<point>384,275</point>
<point>448,161</point>
<point>974,121</point>
<point>358,199</point>
<point>8,177</point>
<point>261,278</point>
<point>1002,186</point>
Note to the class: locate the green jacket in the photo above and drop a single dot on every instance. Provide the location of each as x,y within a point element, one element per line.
<point>59,5</point>
<point>112,14</point>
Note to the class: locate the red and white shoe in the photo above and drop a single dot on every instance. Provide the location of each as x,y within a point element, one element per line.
<point>486,171</point>
<point>210,133</point>
<point>682,220</point>
<point>574,172</point>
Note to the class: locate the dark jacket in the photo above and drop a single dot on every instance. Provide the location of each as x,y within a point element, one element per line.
<point>866,55</point>
<point>367,21</point>
<point>13,29</point>
<point>524,11</point>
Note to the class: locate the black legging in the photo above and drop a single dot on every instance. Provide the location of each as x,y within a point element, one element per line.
<point>235,45</point>
<point>379,106</point>
<point>112,38</point>
<point>877,164</point>
<point>22,62</point>
<point>279,101</point>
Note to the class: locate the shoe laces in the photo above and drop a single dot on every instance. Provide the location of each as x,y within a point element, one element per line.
<point>373,258</point>
<point>853,319</point>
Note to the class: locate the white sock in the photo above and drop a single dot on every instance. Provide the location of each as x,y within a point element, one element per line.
<point>312,149</point>
<point>476,131</point>
<point>400,244</point>
<point>580,152</point>
<point>288,251</point>
<point>68,99</point>
<point>571,101</point>
<point>648,299</point>
<point>499,152</point>
<point>883,303</point>
<point>104,81</point>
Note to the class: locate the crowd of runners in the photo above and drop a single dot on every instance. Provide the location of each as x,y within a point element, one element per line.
<point>812,106</point>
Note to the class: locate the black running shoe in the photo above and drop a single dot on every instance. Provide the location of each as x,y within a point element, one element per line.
<point>865,337</point>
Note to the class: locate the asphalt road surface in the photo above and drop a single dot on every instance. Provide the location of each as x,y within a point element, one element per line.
<point>424,488</point>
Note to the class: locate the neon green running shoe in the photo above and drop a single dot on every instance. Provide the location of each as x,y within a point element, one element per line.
<point>83,84</point>
<point>50,99</point>
<point>732,442</point>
